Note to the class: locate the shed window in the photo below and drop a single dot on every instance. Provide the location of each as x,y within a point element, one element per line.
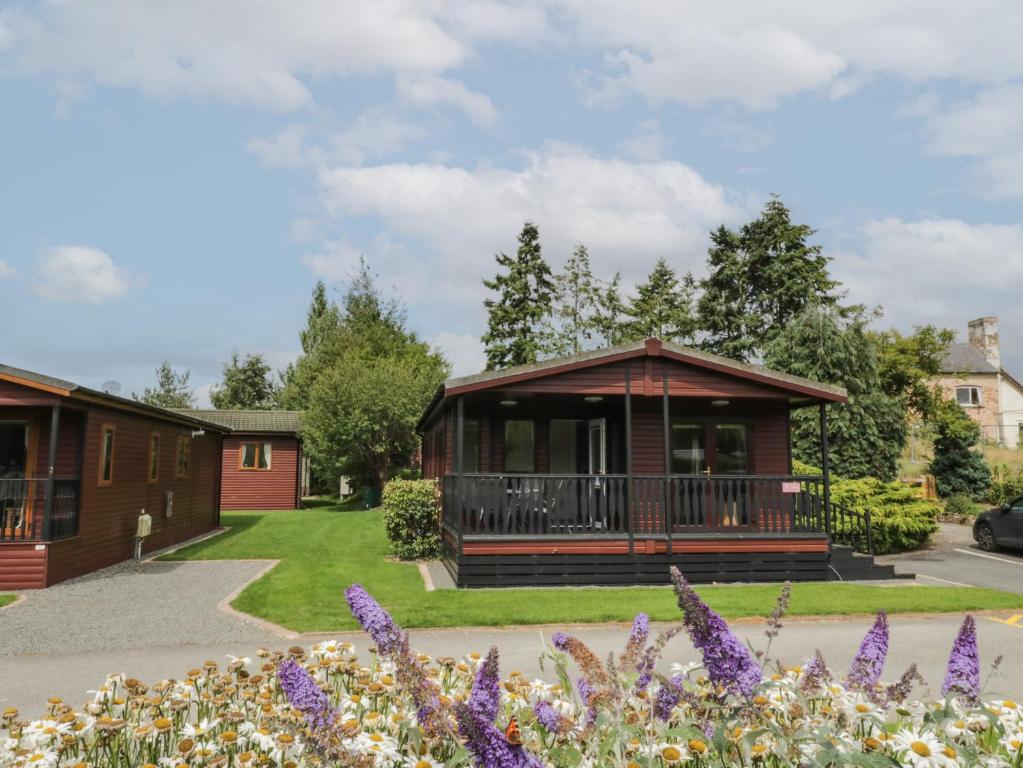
<point>518,446</point>
<point>183,460</point>
<point>255,456</point>
<point>154,457</point>
<point>106,455</point>
<point>968,396</point>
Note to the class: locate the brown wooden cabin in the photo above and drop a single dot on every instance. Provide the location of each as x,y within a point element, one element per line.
<point>262,466</point>
<point>77,466</point>
<point>606,467</point>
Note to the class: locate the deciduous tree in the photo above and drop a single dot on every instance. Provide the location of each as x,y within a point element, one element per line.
<point>172,389</point>
<point>247,385</point>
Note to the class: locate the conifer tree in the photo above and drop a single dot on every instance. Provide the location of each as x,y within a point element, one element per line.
<point>576,299</point>
<point>172,389</point>
<point>609,314</point>
<point>247,385</point>
<point>519,317</point>
<point>663,306</point>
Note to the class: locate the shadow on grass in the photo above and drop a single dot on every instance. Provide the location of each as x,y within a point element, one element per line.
<point>239,525</point>
<point>333,503</point>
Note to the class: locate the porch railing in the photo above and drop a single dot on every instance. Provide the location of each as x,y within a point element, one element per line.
<point>23,509</point>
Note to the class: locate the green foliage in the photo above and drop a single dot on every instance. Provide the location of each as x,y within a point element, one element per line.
<point>866,435</point>
<point>247,385</point>
<point>909,364</point>
<point>957,466</point>
<point>608,319</point>
<point>663,306</point>
<point>518,319</point>
<point>323,328</point>
<point>758,280</point>
<point>1006,483</point>
<point>172,389</point>
<point>576,303</point>
<point>959,507</point>
<point>411,516</point>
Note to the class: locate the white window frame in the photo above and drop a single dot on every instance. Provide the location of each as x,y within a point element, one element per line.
<point>970,388</point>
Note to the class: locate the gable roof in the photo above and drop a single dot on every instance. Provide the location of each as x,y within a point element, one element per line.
<point>647,348</point>
<point>64,388</point>
<point>965,358</point>
<point>277,422</point>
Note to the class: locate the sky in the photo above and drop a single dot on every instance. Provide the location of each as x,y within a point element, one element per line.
<point>174,177</point>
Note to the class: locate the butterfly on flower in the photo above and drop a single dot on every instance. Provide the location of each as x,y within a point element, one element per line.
<point>512,733</point>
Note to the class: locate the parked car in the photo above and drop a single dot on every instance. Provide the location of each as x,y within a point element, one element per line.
<point>1000,527</point>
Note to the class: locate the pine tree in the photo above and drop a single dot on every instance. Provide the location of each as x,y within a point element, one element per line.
<point>758,280</point>
<point>321,320</point>
<point>609,314</point>
<point>519,318</point>
<point>663,307</point>
<point>957,466</point>
<point>172,389</point>
<point>246,385</point>
<point>576,299</point>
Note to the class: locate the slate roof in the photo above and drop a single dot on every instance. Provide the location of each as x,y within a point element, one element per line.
<point>966,358</point>
<point>277,422</point>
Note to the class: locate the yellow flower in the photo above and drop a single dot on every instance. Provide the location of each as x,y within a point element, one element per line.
<point>920,748</point>
<point>698,745</point>
<point>671,754</point>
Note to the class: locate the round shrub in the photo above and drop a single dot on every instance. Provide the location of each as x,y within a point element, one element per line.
<point>959,507</point>
<point>412,518</point>
<point>900,519</point>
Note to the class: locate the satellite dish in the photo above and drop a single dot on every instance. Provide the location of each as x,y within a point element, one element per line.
<point>111,387</point>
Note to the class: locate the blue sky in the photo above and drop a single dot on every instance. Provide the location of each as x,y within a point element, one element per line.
<point>175,176</point>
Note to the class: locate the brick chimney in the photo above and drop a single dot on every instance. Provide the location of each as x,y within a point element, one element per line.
<point>984,336</point>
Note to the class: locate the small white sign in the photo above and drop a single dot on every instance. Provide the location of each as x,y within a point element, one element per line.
<point>790,487</point>
<point>40,547</point>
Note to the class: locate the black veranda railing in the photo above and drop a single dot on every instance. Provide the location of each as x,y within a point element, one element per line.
<point>644,505</point>
<point>23,509</point>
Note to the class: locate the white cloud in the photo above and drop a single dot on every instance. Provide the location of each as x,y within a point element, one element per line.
<point>627,213</point>
<point>427,90</point>
<point>990,129</point>
<point>647,143</point>
<point>6,270</point>
<point>79,273</point>
<point>375,133</point>
<point>288,149</point>
<point>463,350</point>
<point>942,271</point>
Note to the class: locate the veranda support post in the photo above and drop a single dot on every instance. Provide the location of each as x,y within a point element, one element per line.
<point>628,455</point>
<point>665,407</point>
<point>51,461</point>
<point>825,469</point>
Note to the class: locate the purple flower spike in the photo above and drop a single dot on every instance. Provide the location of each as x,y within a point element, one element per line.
<point>667,698</point>
<point>304,694</point>
<point>486,694</point>
<point>640,629</point>
<point>727,661</point>
<point>374,619</point>
<point>868,664</point>
<point>488,745</point>
<point>560,641</point>
<point>963,676</point>
<point>548,716</point>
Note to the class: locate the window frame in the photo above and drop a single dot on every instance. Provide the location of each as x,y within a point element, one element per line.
<point>970,388</point>
<point>186,442</point>
<point>151,477</point>
<point>105,428</point>
<point>470,457</point>
<point>710,426</point>
<point>259,445</point>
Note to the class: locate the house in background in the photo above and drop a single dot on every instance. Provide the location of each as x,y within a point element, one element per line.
<point>262,464</point>
<point>78,465</point>
<point>973,375</point>
<point>609,466</point>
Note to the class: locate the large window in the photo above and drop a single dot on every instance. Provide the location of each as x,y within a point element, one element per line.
<point>154,457</point>
<point>688,450</point>
<point>566,436</point>
<point>471,448</point>
<point>968,396</point>
<point>730,454</point>
<point>13,448</point>
<point>183,457</point>
<point>518,446</point>
<point>256,456</point>
<point>106,455</point>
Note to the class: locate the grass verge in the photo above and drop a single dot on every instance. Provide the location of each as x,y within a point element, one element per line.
<point>7,600</point>
<point>324,550</point>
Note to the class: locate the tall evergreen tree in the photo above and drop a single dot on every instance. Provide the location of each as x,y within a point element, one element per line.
<point>957,466</point>
<point>609,315</point>
<point>576,301</point>
<point>323,325</point>
<point>758,280</point>
<point>172,389</point>
<point>663,307</point>
<point>519,318</point>
<point>247,385</point>
<point>866,434</point>
<point>323,318</point>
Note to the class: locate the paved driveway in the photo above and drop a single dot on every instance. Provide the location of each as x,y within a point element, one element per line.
<point>952,557</point>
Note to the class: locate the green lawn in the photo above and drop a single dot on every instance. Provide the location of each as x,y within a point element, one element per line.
<point>325,549</point>
<point>7,600</point>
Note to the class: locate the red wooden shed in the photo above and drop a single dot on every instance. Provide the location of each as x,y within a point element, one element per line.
<point>262,465</point>
<point>608,466</point>
<point>77,466</point>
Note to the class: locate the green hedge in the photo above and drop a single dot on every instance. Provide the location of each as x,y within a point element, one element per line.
<point>412,518</point>
<point>1006,483</point>
<point>901,520</point>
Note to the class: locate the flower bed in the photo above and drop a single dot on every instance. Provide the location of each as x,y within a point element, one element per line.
<point>388,706</point>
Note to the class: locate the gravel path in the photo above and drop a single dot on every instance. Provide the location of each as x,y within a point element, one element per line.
<point>126,607</point>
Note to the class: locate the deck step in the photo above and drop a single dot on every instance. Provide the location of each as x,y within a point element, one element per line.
<point>849,565</point>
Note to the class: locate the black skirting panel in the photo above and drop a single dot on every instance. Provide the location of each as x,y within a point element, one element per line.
<point>623,570</point>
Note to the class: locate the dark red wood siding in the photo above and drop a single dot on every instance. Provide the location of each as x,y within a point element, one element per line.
<point>276,488</point>
<point>22,566</point>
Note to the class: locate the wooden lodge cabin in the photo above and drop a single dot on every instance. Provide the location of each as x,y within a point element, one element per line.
<point>262,465</point>
<point>606,467</point>
<point>77,466</point>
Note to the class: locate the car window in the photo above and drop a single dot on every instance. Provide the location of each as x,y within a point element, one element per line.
<point>1017,504</point>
